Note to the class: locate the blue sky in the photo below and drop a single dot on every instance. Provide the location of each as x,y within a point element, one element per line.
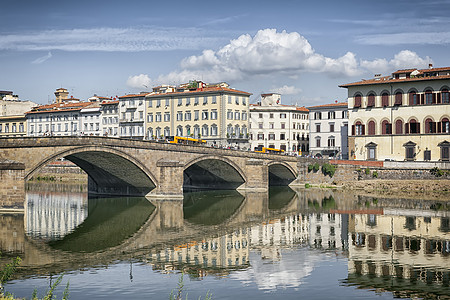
<point>302,49</point>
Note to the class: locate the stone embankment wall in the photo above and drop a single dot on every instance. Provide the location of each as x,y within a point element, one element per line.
<point>12,187</point>
<point>376,176</point>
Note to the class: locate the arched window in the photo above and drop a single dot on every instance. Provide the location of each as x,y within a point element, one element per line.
<point>196,131</point>
<point>385,99</point>
<point>412,127</point>
<point>398,127</point>
<point>166,131</point>
<point>398,98</point>
<point>445,96</point>
<point>158,132</point>
<point>371,100</point>
<point>386,127</point>
<point>180,131</point>
<point>188,130</point>
<point>150,133</point>
<point>205,130</point>
<point>214,130</point>
<point>358,129</point>
<point>357,101</point>
<point>413,98</point>
<point>429,97</point>
<point>430,126</point>
<point>444,126</point>
<point>371,127</point>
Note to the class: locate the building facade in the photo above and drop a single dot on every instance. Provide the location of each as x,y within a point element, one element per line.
<point>404,116</point>
<point>328,130</point>
<point>279,126</point>
<point>131,116</point>
<point>110,117</point>
<point>13,126</point>
<point>215,113</point>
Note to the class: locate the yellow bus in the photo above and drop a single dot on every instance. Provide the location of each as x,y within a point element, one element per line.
<point>186,140</point>
<point>269,150</point>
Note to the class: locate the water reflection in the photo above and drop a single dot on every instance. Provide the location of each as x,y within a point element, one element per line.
<point>273,240</point>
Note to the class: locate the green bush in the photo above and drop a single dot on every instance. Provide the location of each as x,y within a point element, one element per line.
<point>367,170</point>
<point>307,185</point>
<point>437,172</point>
<point>313,167</point>
<point>328,169</point>
<point>375,174</point>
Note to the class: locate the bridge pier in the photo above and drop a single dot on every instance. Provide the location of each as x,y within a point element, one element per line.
<point>12,187</point>
<point>257,173</point>
<point>170,181</point>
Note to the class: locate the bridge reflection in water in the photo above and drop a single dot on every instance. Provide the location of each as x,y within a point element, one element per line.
<point>397,246</point>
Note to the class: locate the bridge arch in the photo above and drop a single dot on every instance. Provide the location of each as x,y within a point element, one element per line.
<point>212,172</point>
<point>281,173</point>
<point>110,171</point>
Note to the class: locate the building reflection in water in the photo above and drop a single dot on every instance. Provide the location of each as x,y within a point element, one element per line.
<point>403,251</point>
<point>51,215</point>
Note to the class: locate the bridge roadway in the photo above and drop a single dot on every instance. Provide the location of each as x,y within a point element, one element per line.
<point>133,167</point>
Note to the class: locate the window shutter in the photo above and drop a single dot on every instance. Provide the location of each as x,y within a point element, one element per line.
<point>434,98</point>
<point>438,98</point>
<point>407,128</point>
<point>418,127</point>
<point>411,99</point>
<point>422,96</point>
<point>363,129</point>
<point>353,129</point>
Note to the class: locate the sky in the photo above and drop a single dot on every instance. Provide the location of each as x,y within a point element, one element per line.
<point>301,49</point>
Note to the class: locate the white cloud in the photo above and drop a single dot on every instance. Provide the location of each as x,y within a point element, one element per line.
<point>286,90</point>
<point>405,59</point>
<point>139,81</point>
<point>110,39</point>
<point>40,60</point>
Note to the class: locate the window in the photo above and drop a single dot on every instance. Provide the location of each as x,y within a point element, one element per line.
<point>180,101</point>
<point>141,115</point>
<point>429,97</point>
<point>236,100</point>
<point>358,129</point>
<point>196,115</point>
<point>229,99</point>
<point>188,101</point>
<point>282,116</point>
<point>270,125</point>
<point>410,149</point>
<point>158,102</point>
<point>244,101</point>
<point>413,98</point>
<point>430,126</point>
<point>166,117</point>
<point>357,101</point>
<point>205,115</point>
<point>318,142</point>
<point>21,127</point>
<point>344,114</point>
<point>445,150</point>
<point>427,155</point>
<point>244,116</point>
<point>445,96</point>
<point>260,136</point>
<point>283,125</point>
<point>371,100</point>
<point>282,136</point>
<point>260,115</point>
<point>371,127</point>
<point>187,115</point>
<point>260,125</point>
<point>318,116</point>
<point>398,127</point>
<point>196,101</point>
<point>205,130</point>
<point>385,99</point>
<point>214,100</point>
<point>386,127</point>
<point>214,114</point>
<point>214,130</point>
<point>205,100</point>
<point>179,131</point>
<point>317,127</point>
<point>331,127</point>
<point>331,142</point>
<point>237,115</point>
<point>271,115</point>
<point>331,115</point>
<point>371,151</point>
<point>230,114</point>
<point>271,136</point>
<point>398,98</point>
<point>180,116</point>
<point>445,126</point>
<point>412,127</point>
<point>158,117</point>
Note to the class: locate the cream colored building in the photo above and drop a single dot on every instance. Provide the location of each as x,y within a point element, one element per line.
<point>215,113</point>
<point>110,117</point>
<point>278,126</point>
<point>132,116</point>
<point>404,116</point>
<point>13,126</point>
<point>328,129</point>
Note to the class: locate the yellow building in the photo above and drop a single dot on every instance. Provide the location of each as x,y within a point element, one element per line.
<point>404,116</point>
<point>13,126</point>
<point>215,113</point>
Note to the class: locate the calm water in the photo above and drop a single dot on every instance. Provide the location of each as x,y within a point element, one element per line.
<point>286,244</point>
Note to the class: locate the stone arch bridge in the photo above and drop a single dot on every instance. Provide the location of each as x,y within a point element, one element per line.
<point>132,167</point>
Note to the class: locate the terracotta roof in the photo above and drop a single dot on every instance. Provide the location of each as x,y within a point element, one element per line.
<point>339,104</point>
<point>404,71</point>
<point>109,102</point>
<point>58,107</point>
<point>302,109</point>
<point>201,90</point>
<point>133,95</point>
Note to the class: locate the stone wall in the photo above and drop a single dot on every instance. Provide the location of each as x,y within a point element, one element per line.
<point>12,187</point>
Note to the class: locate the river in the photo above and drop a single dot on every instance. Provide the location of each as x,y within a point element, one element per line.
<point>309,243</point>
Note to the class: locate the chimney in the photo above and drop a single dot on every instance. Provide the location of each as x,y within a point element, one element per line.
<point>430,66</point>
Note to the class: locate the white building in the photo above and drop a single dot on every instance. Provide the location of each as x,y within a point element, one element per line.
<point>110,117</point>
<point>131,116</point>
<point>91,119</point>
<point>278,126</point>
<point>328,130</point>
